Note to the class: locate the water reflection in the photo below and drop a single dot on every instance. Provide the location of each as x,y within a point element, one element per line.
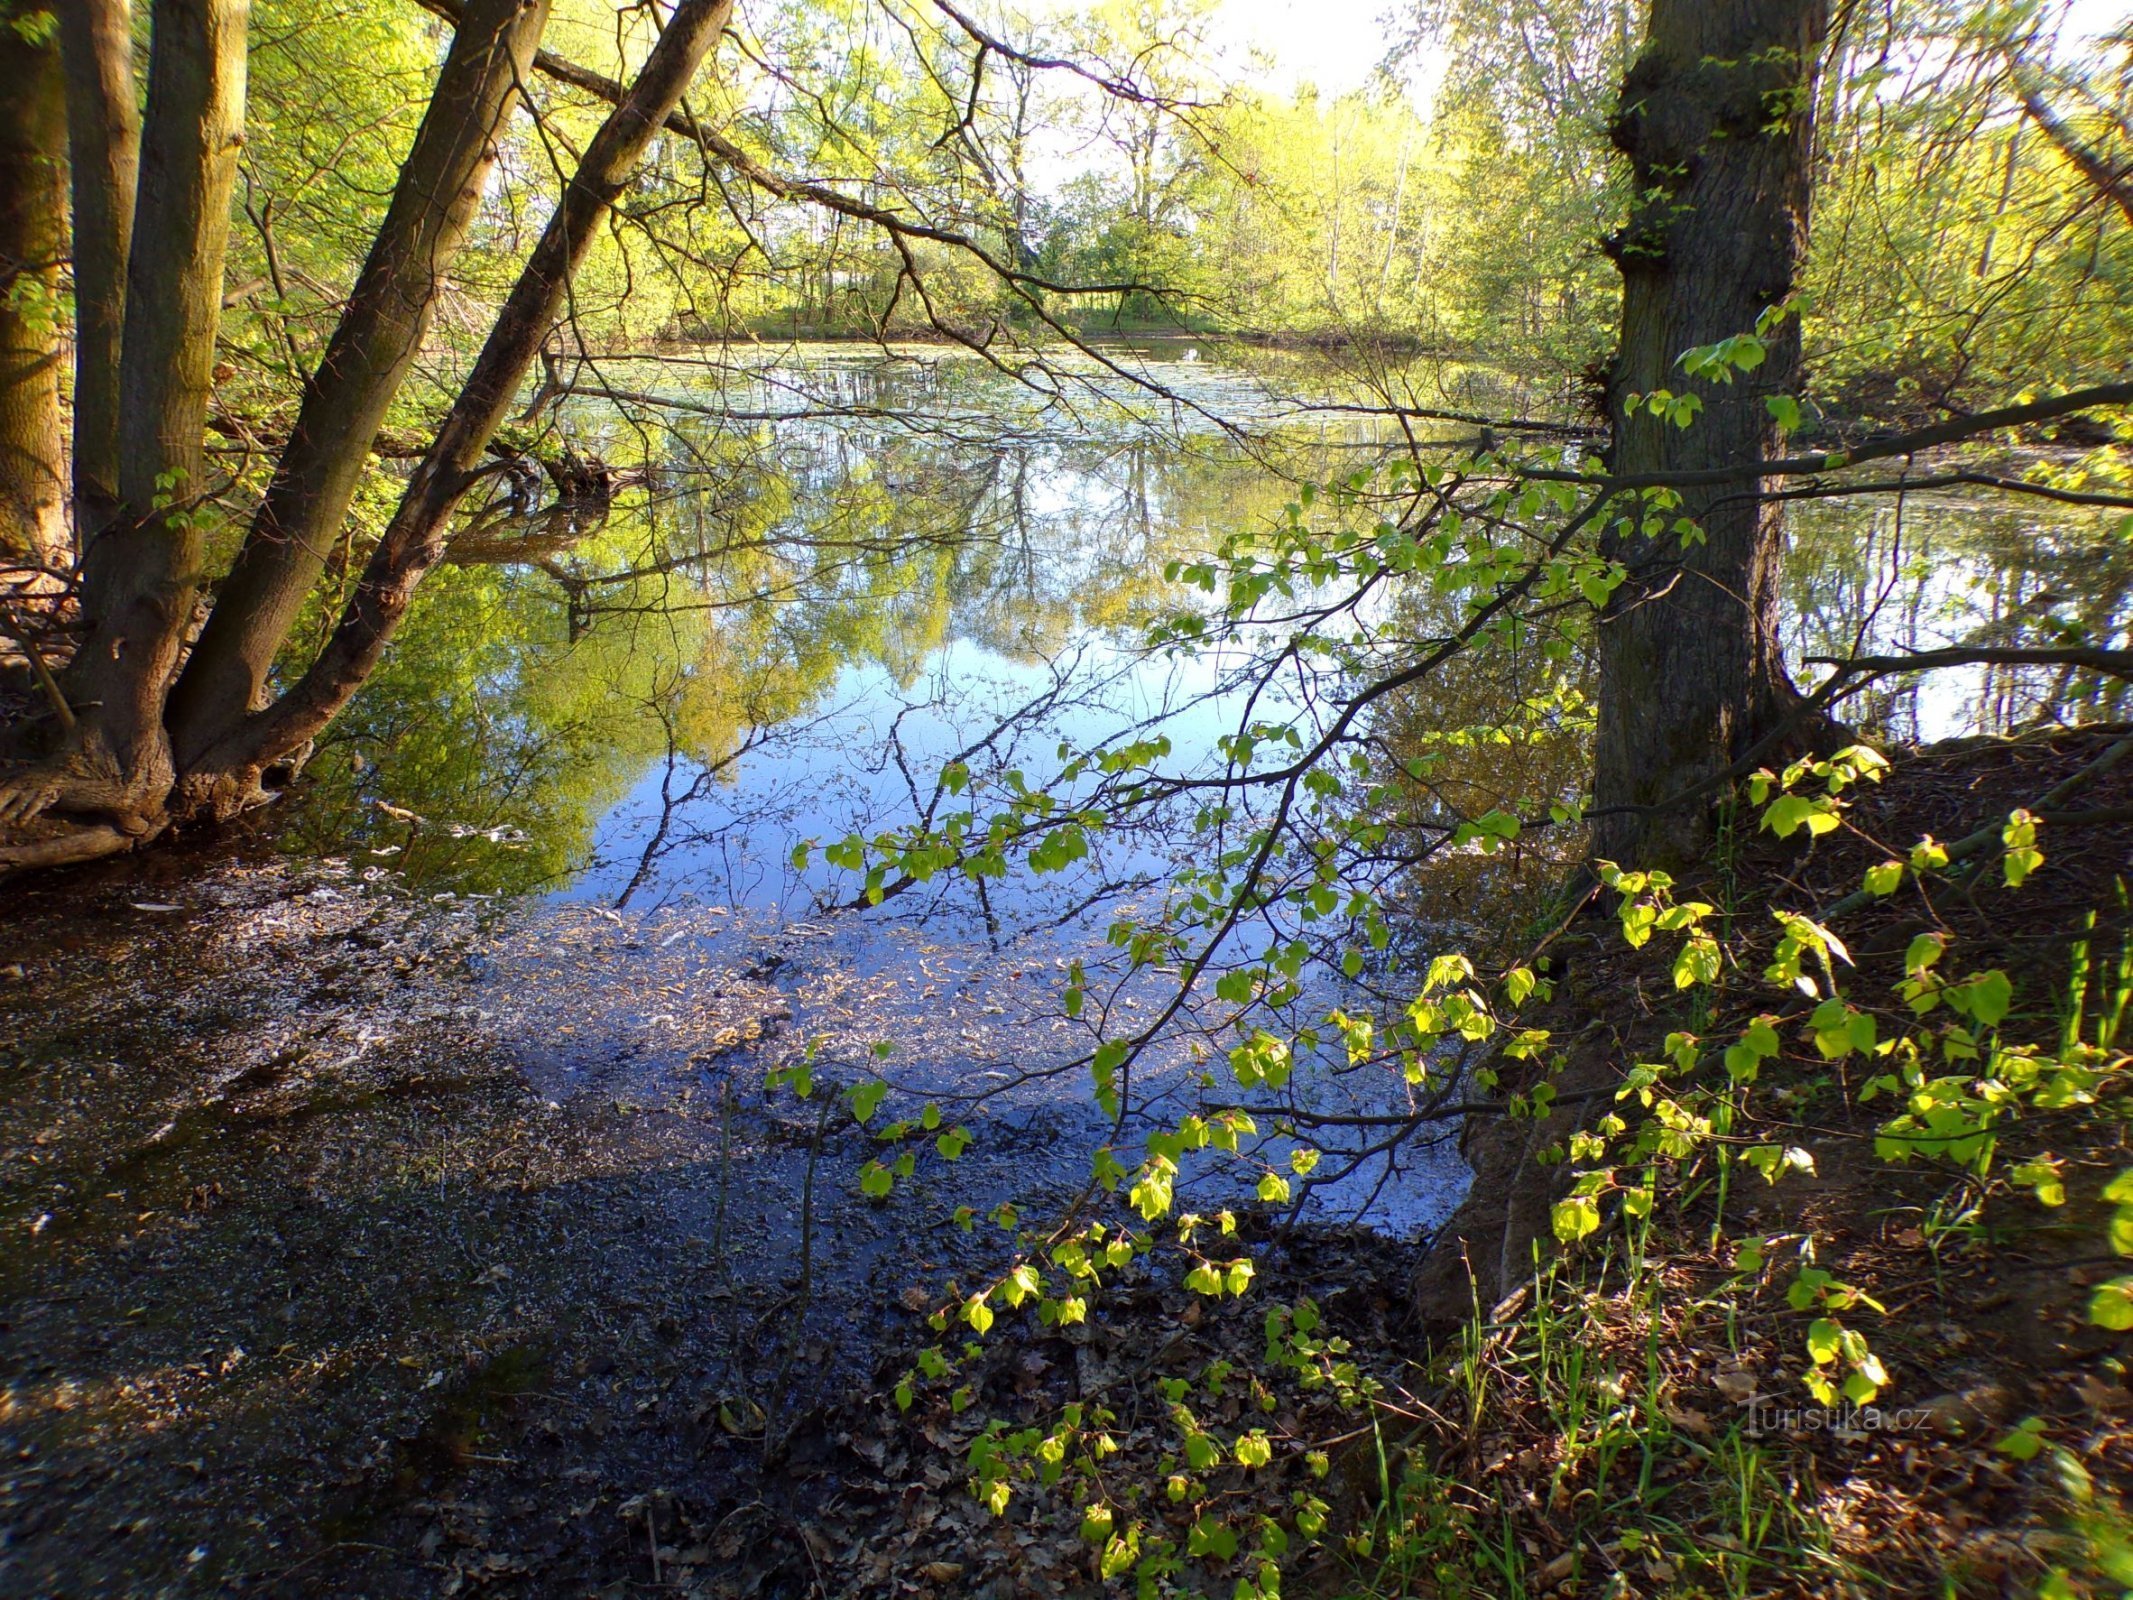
<point>1940,570</point>
<point>762,604</point>
<point>823,577</point>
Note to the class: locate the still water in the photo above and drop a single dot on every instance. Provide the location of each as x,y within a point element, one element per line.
<point>830,573</point>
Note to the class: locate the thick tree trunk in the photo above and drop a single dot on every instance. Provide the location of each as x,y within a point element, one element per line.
<point>414,541</point>
<point>1716,119</point>
<point>33,182</point>
<point>104,147</point>
<point>140,574</point>
<point>345,400</point>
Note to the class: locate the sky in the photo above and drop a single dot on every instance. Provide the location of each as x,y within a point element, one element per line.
<point>1336,43</point>
<point>1332,43</point>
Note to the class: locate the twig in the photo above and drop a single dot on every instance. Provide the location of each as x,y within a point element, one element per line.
<point>60,708</point>
<point>2043,806</point>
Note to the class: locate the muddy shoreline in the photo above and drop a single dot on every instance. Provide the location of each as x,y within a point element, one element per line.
<point>310,1287</point>
<point>295,1250</point>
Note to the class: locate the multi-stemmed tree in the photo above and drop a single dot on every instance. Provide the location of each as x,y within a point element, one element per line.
<point>150,723</point>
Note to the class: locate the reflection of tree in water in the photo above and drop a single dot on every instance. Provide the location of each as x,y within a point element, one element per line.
<point>1510,725</point>
<point>799,522</point>
<point>717,599</point>
<point>1941,571</point>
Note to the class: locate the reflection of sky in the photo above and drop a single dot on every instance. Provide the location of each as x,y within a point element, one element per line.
<point>967,980</point>
<point>701,864</point>
<point>838,772</point>
<point>1946,571</point>
<point>1089,469</point>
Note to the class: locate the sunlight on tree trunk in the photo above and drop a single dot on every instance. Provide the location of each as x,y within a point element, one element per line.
<point>345,400</point>
<point>141,574</point>
<point>1717,120</point>
<point>33,518</point>
<point>414,541</point>
<point>104,149</point>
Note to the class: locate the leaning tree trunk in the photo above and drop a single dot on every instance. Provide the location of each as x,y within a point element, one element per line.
<point>367,359</point>
<point>414,540</point>
<point>117,779</point>
<point>33,177</point>
<point>1716,119</point>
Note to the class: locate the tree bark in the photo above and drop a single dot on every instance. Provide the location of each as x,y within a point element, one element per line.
<point>33,187</point>
<point>104,147</point>
<point>345,399</point>
<point>1716,120</point>
<point>140,575</point>
<point>414,541</point>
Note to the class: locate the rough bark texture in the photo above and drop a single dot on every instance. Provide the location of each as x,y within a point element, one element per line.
<point>104,150</point>
<point>33,180</point>
<point>1716,119</point>
<point>414,541</point>
<point>346,397</point>
<point>140,575</point>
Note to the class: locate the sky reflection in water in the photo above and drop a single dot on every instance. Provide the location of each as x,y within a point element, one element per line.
<point>925,551</point>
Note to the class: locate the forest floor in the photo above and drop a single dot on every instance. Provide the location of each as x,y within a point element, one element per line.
<point>309,1290</point>
<point>1634,1418</point>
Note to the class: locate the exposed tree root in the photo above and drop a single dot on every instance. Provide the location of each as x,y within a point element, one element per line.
<point>49,842</point>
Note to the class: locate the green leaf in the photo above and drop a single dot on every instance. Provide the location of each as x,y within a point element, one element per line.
<point>1786,813</point>
<point>1884,879</point>
<point>1121,1553</point>
<point>2111,1305</point>
<point>2042,1179</point>
<point>1698,962</point>
<point>1990,995</point>
<point>865,1098</point>
<point>2025,1441</point>
<point>1212,1539</point>
<point>1823,1340</point>
<point>1574,1218</point>
<point>2020,837</point>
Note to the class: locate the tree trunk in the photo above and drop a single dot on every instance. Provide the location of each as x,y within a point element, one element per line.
<point>1716,119</point>
<point>140,574</point>
<point>104,147</point>
<point>414,541</point>
<point>33,180</point>
<point>345,399</point>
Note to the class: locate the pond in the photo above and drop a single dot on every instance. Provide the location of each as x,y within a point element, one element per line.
<point>837,569</point>
<point>407,1168</point>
